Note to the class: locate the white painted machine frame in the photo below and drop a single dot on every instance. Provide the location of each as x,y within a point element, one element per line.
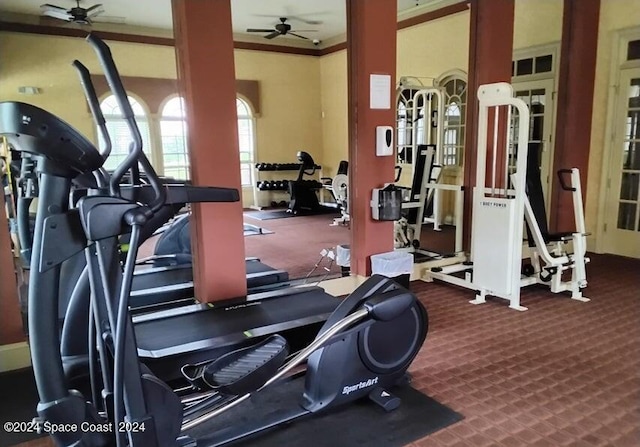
<point>431,186</point>
<point>428,95</point>
<point>498,216</point>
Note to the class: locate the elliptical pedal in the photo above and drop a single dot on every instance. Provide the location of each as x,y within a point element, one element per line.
<point>240,371</point>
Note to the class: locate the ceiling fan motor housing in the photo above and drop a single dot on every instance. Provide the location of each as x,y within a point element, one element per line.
<point>283,28</point>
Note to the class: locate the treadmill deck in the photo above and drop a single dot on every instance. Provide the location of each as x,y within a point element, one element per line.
<point>217,327</point>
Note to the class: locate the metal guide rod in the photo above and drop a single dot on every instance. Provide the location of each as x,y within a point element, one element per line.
<point>494,160</point>
<point>507,151</point>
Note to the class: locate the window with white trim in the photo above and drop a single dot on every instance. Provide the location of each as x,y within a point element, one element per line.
<point>246,141</point>
<point>455,108</point>
<point>173,132</point>
<point>119,130</point>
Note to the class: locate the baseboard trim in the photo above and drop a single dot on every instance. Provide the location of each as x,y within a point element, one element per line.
<point>14,356</point>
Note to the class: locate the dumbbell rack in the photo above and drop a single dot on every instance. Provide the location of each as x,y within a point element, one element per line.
<point>273,185</point>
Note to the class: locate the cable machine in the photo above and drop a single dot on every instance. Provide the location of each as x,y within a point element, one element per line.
<point>504,199</point>
<point>420,130</point>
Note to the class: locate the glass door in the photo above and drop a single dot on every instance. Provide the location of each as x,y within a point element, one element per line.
<point>622,222</point>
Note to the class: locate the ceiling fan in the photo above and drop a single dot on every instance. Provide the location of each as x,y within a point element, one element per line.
<point>281,29</point>
<point>77,14</point>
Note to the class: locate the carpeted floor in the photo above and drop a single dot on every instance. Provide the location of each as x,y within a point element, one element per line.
<point>295,243</point>
<point>564,373</point>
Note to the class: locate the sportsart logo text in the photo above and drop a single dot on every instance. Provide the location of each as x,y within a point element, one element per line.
<point>358,386</point>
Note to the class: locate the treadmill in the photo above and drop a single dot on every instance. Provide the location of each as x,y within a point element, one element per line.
<point>171,277</point>
<point>168,285</point>
<point>169,339</point>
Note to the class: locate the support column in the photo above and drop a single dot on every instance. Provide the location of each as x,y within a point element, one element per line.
<point>490,56</point>
<point>11,330</point>
<point>206,77</point>
<point>575,103</point>
<point>371,49</point>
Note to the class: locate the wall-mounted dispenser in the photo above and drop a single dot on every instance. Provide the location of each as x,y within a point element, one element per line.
<point>384,141</point>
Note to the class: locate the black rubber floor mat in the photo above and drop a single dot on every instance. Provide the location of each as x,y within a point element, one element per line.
<point>359,424</point>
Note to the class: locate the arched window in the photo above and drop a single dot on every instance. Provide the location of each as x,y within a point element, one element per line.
<point>173,130</point>
<point>246,140</point>
<point>119,131</point>
<point>455,95</point>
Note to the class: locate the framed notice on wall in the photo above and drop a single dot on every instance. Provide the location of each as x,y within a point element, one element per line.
<point>380,91</point>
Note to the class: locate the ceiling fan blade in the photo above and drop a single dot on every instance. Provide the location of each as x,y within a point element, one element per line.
<point>272,35</point>
<point>57,15</point>
<point>297,35</point>
<point>109,19</point>
<point>288,16</point>
<point>98,6</point>
<point>260,30</point>
<point>93,11</point>
<point>308,22</point>
<point>303,31</point>
<point>49,7</point>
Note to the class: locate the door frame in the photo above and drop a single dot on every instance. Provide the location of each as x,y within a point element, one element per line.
<point>621,39</point>
<point>553,49</point>
<point>613,241</point>
<point>548,143</point>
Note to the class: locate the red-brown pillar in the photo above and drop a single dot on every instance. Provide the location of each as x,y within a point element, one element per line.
<point>575,103</point>
<point>490,56</point>
<point>204,47</point>
<point>11,330</point>
<point>371,49</point>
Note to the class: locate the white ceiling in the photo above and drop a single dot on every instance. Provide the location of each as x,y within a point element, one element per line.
<point>245,13</point>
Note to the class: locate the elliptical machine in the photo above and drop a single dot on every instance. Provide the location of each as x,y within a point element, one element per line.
<point>366,345</point>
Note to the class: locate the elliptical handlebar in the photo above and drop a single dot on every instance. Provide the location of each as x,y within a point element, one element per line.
<point>136,154</point>
<point>102,177</point>
<point>94,106</point>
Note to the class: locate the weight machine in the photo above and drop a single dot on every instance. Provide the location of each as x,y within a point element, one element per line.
<point>500,208</point>
<point>420,140</point>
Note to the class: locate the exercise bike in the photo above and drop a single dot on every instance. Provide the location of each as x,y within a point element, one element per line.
<point>304,199</point>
